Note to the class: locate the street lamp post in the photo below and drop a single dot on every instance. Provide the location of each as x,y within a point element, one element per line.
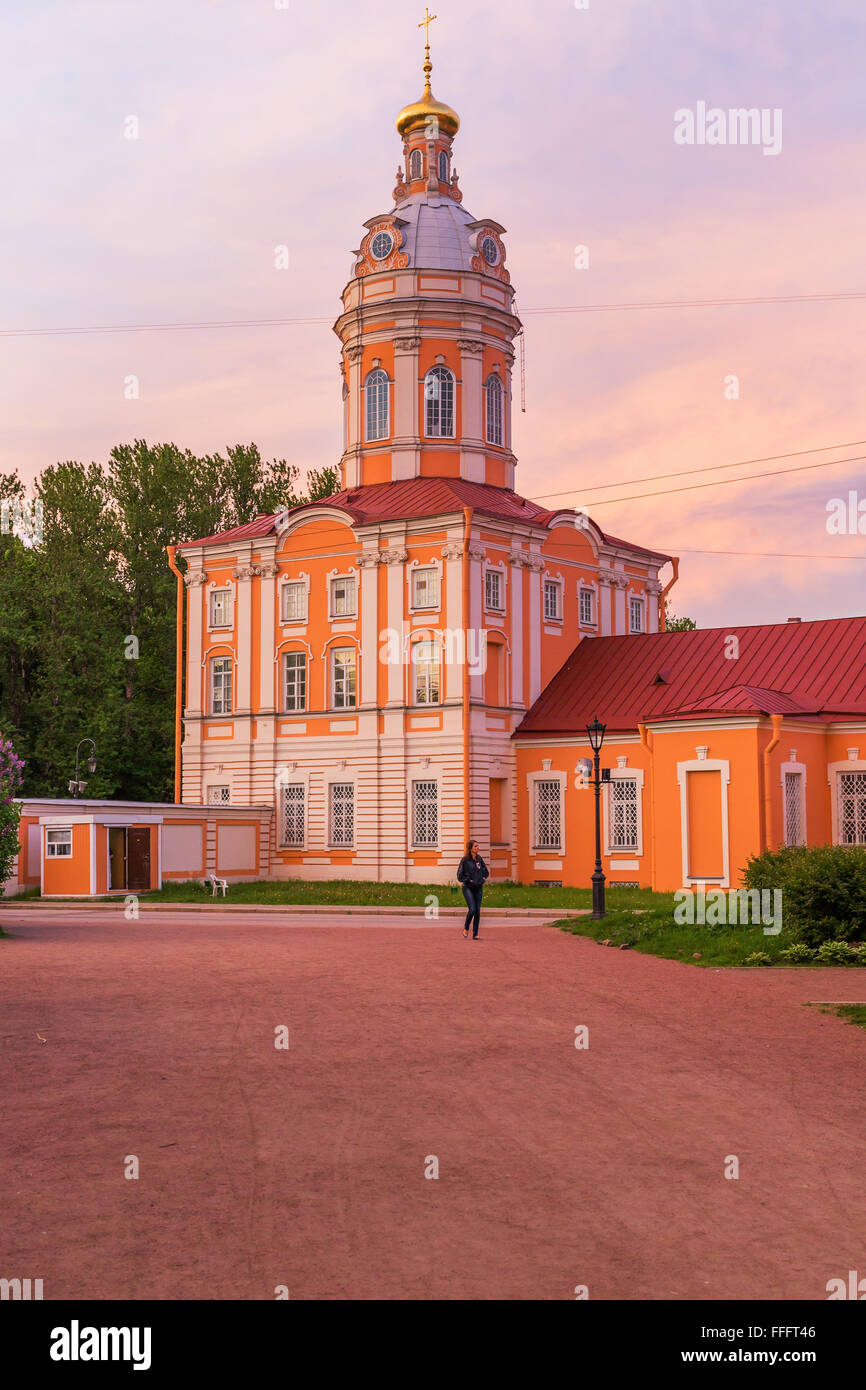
<point>76,786</point>
<point>595,733</point>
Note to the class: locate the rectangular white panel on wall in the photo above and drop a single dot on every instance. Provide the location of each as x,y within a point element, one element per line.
<point>182,849</point>
<point>236,848</point>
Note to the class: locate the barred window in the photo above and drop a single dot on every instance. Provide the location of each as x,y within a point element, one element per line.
<point>425,813</point>
<point>221,685</point>
<point>548,814</point>
<point>493,396</point>
<point>425,588</point>
<point>344,673</point>
<point>343,597</point>
<point>294,601</point>
<point>493,590</point>
<point>635,615</point>
<point>852,808</point>
<point>294,681</point>
<point>623,814</point>
<point>794,828</point>
<point>221,608</point>
<point>425,669</point>
<point>586,606</point>
<point>342,813</point>
<point>376,397</point>
<point>439,403</point>
<point>218,796</point>
<point>552,599</point>
<point>293,815</point>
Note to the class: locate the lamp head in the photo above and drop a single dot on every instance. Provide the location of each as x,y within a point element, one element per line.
<point>595,732</point>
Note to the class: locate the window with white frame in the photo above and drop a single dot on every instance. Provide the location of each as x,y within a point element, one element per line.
<point>219,796</point>
<point>294,681</point>
<point>293,815</point>
<point>439,403</point>
<point>547,795</point>
<point>58,844</point>
<point>425,813</point>
<point>344,597</point>
<point>795,830</point>
<point>552,600</point>
<point>587,606</point>
<point>623,810</point>
<point>425,588</point>
<point>493,401</point>
<point>376,423</point>
<point>220,608</point>
<point>343,677</point>
<point>221,685</point>
<point>851,791</point>
<point>341,817</point>
<point>294,601</point>
<point>425,673</point>
<point>443,166</point>
<point>635,615</point>
<point>416,165</point>
<point>493,595</point>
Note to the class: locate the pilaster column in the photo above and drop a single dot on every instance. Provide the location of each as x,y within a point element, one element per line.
<point>195,581</point>
<point>452,553</point>
<point>267,620</point>
<point>515,604</point>
<point>605,582</point>
<point>368,578</point>
<point>406,432</point>
<point>243,574</point>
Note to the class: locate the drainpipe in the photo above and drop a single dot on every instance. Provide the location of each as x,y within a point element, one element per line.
<point>467,531</point>
<point>170,551</point>
<point>675,561</point>
<point>645,743</point>
<point>776,722</point>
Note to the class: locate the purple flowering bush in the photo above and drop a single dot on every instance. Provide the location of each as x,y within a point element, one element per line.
<point>11,777</point>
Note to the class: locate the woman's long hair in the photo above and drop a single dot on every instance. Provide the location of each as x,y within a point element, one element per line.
<point>469,845</point>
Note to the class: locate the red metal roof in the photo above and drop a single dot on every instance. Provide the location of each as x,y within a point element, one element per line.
<point>808,670</point>
<point>414,498</point>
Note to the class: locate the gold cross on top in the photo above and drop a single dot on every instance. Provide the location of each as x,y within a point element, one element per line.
<point>425,24</point>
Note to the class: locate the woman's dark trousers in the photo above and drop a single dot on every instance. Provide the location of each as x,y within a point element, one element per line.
<point>472,894</point>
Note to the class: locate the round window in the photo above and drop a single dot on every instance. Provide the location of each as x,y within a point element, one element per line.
<point>489,250</point>
<point>382,245</point>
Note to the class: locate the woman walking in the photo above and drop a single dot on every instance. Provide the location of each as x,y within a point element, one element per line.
<point>471,873</point>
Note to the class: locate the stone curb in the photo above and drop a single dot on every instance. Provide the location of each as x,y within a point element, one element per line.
<point>216,904</point>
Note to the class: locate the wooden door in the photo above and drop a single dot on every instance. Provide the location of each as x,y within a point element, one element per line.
<point>138,859</point>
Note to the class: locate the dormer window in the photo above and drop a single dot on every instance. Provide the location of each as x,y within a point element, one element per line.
<point>443,166</point>
<point>416,165</point>
<point>382,245</point>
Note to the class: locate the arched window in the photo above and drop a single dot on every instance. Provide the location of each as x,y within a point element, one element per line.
<point>439,403</point>
<point>443,166</point>
<point>493,393</point>
<point>416,165</point>
<point>376,412</point>
<point>425,666</point>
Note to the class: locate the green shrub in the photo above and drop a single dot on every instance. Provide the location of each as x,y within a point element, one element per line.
<point>823,890</point>
<point>836,953</point>
<point>798,954</point>
<point>758,958</point>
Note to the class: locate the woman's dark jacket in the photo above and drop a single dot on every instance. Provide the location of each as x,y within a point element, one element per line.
<point>472,871</point>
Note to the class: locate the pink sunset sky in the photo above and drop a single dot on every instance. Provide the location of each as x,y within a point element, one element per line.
<point>262,126</point>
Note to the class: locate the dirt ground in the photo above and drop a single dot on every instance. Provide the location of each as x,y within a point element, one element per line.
<point>305,1167</point>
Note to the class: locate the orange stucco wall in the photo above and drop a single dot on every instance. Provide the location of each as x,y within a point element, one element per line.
<point>69,877</point>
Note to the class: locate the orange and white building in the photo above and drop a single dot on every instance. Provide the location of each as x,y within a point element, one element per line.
<point>370,679</point>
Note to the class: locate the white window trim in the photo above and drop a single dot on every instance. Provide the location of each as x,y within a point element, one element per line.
<point>411,570</point>
<point>849,765</point>
<point>286,778</point>
<point>423,774</point>
<point>416,638</point>
<point>636,596</point>
<point>455,383</point>
<point>336,644</point>
<point>557,582</point>
<point>494,443</point>
<point>500,568</point>
<point>590,588</point>
<point>389,412</point>
<point>303,579</point>
<point>228,588</point>
<point>531,779</point>
<point>59,830</point>
<point>798,768</point>
<point>214,654</point>
<point>284,650</point>
<point>723,766</point>
<point>623,774</point>
<point>332,577</point>
<point>342,779</point>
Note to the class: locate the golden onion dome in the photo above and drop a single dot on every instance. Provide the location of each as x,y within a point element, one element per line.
<point>420,111</point>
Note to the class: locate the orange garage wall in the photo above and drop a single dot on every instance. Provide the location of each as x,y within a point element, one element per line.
<point>69,877</point>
